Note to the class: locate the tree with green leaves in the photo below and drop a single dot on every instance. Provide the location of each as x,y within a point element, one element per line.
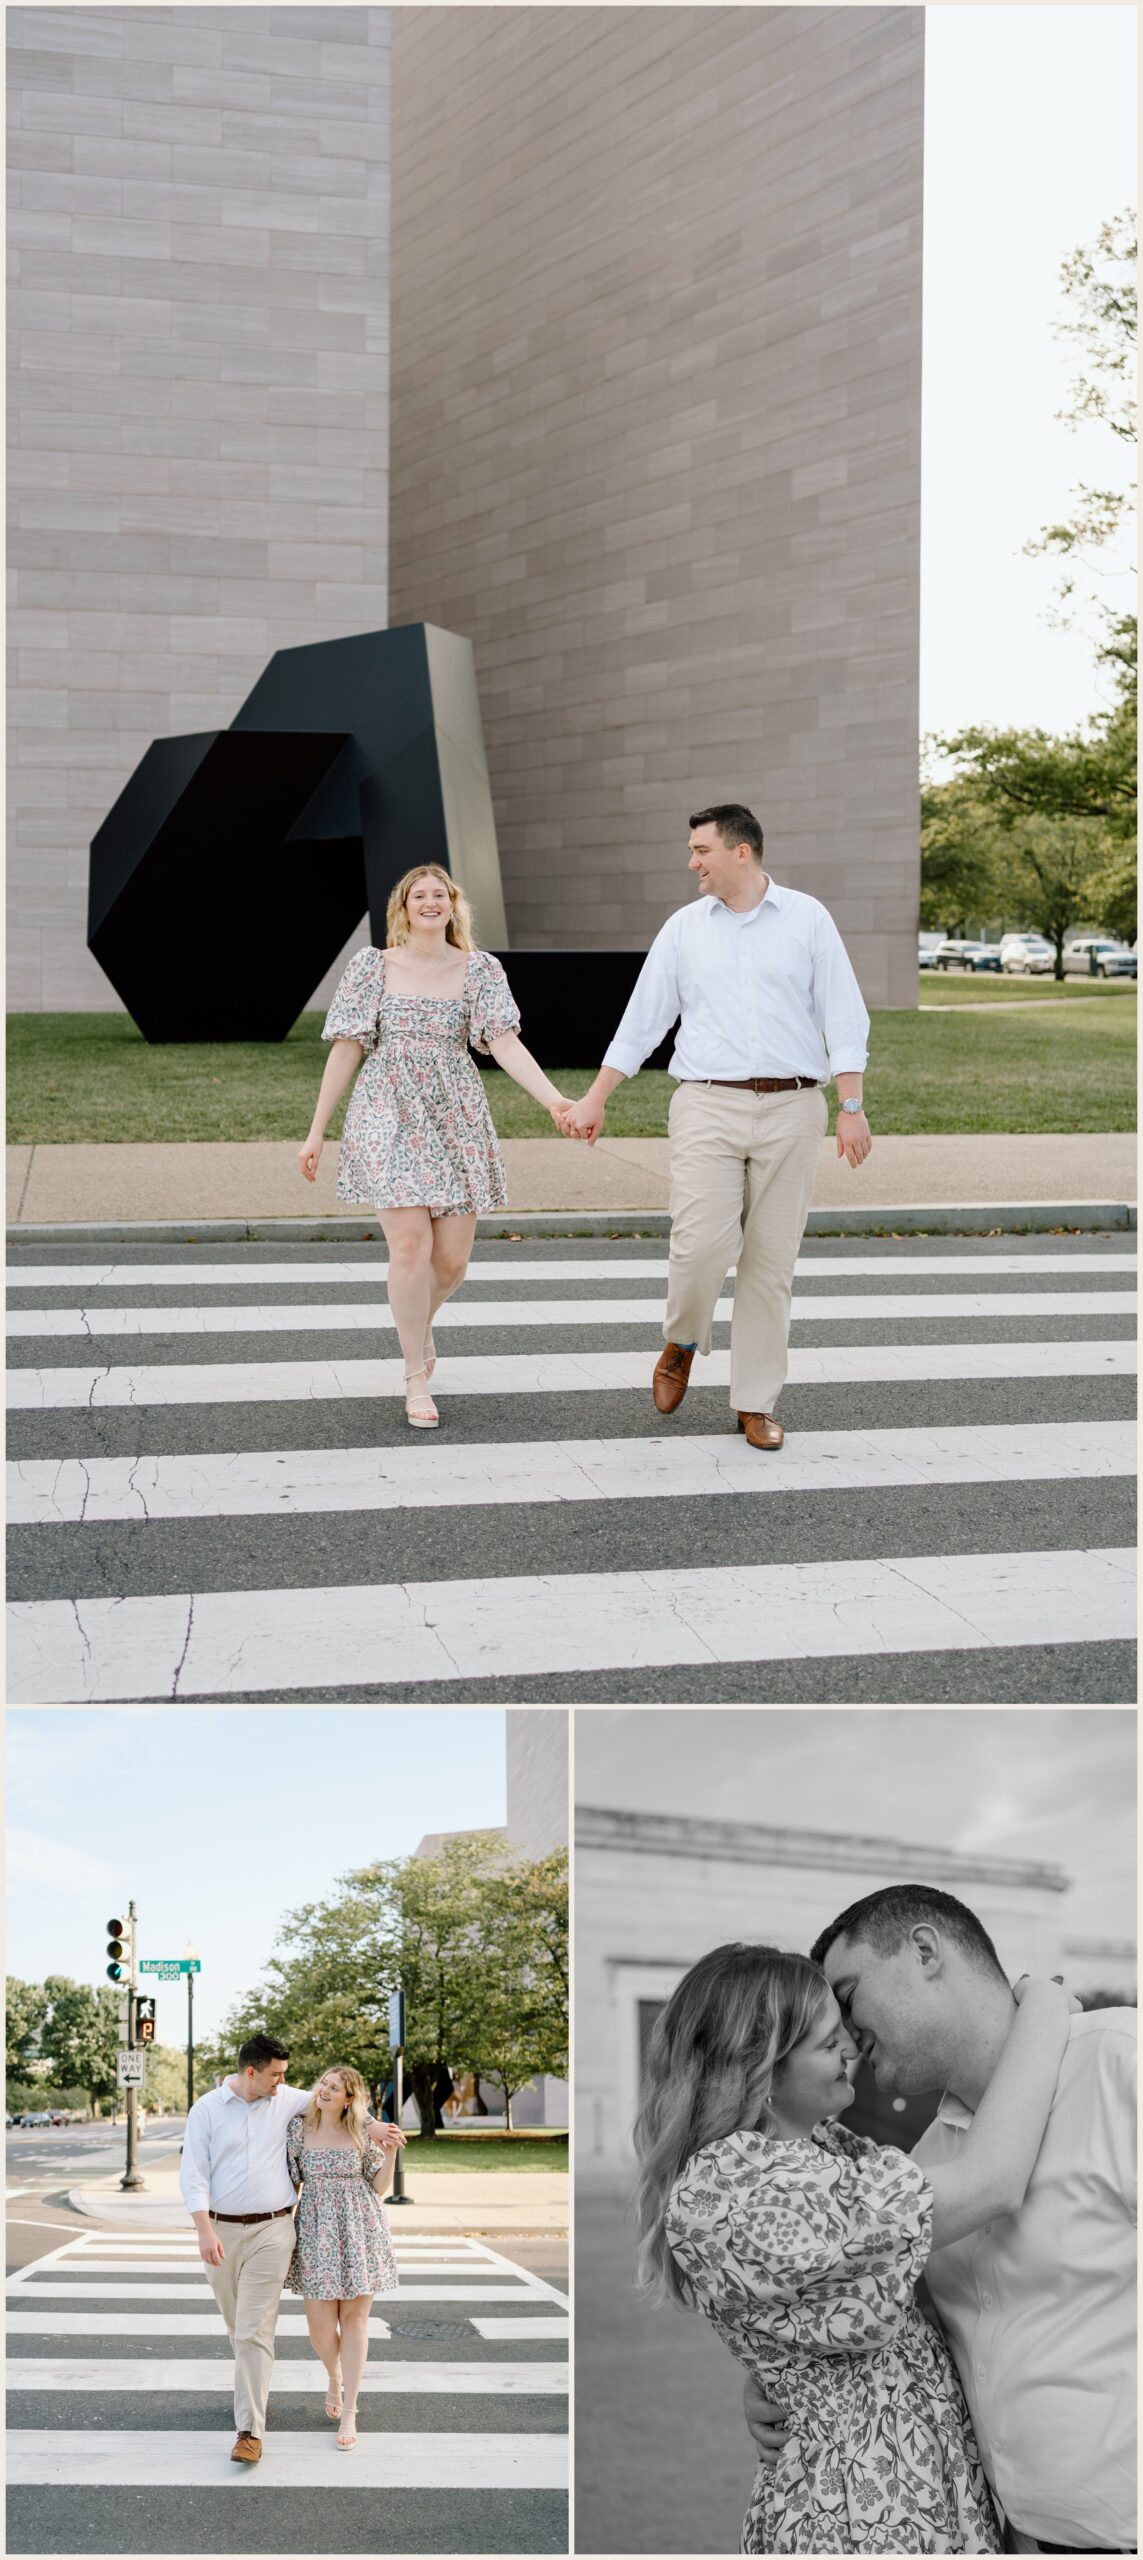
<point>434,1927</point>
<point>1068,806</point>
<point>962,857</point>
<point>24,2016</point>
<point>522,2024</point>
<point>79,2036</point>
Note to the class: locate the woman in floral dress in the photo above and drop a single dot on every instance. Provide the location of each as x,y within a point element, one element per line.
<point>343,2255</point>
<point>802,2245</point>
<point>418,1144</point>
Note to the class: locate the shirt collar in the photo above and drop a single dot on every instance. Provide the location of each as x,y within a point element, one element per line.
<point>774,897</point>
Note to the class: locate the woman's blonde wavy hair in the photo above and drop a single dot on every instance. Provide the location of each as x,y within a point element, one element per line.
<point>710,2069</point>
<point>356,2108</point>
<point>458,930</point>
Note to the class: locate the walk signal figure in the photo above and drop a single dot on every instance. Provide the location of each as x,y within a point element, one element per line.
<point>144,2021</point>
<point>116,1949</point>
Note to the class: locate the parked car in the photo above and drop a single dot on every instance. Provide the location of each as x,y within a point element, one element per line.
<point>1095,955</point>
<point>928,945</point>
<point>1024,955</point>
<point>966,955</point>
<point>39,2116</point>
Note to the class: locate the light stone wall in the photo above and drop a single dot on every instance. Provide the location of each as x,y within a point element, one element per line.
<point>198,420</point>
<point>537,1780</point>
<point>656,441</point>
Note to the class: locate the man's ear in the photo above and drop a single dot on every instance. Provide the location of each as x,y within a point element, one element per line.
<point>925,1941</point>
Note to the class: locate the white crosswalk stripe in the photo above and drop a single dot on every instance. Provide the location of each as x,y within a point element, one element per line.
<point>114,2358</point>
<point>167,1516</point>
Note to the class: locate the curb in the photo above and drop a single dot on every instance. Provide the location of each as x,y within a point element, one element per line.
<point>160,2214</point>
<point>934,1218</point>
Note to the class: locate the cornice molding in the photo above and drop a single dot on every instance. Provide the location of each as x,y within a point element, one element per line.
<point>756,1844</point>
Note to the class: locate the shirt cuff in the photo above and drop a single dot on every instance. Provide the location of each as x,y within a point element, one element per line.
<point>848,1062</point>
<point>196,2200</point>
<point>625,1060</point>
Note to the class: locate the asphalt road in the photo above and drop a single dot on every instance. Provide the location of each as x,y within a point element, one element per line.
<point>233,1508</point>
<point>120,2419</point>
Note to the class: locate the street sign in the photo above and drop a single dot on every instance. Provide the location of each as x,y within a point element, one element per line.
<point>131,2069</point>
<point>169,1968</point>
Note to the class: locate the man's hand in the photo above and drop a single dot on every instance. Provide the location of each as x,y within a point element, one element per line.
<point>768,2425</point>
<point>210,2247</point>
<point>582,1119</point>
<point>386,2137</point>
<point>854,1136</point>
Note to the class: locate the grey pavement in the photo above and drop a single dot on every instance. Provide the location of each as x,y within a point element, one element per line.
<point>958,1454</point>
<point>260,1179</point>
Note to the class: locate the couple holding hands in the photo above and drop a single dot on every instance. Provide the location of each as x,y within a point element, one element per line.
<point>770,1012</point>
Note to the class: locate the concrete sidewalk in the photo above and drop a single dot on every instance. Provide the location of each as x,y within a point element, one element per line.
<point>535,2200</point>
<point>106,1185</point>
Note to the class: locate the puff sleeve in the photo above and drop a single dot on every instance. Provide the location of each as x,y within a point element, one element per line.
<point>818,2247</point>
<point>353,1013</point>
<point>294,2149</point>
<point>492,1007</point>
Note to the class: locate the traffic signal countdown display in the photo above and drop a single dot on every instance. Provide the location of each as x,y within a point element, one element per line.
<point>144,2021</point>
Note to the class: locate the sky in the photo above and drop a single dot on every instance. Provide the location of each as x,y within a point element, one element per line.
<point>1030,144</point>
<point>1055,1784</point>
<point>218,1821</point>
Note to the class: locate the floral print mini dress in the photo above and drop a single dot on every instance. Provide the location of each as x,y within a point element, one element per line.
<point>343,2248</point>
<point>804,2257</point>
<point>418,1132</point>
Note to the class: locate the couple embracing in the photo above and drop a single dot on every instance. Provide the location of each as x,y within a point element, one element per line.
<point>283,2186</point>
<point>991,2407</point>
<point>769,1011</point>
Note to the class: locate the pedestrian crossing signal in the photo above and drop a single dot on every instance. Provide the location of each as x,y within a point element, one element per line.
<point>116,1950</point>
<point>144,2022</point>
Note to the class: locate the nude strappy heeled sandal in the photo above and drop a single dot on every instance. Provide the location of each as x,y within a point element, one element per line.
<point>420,1411</point>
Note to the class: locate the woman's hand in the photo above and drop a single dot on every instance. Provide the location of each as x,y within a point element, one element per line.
<point>1021,1988</point>
<point>309,1156</point>
<point>559,1109</point>
<point>768,2424</point>
<point>387,2137</point>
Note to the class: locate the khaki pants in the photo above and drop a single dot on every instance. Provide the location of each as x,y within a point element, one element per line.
<point>742,1178</point>
<point>248,2289</point>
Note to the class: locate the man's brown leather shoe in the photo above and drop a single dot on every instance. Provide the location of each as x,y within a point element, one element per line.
<point>247,2449</point>
<point>761,1430</point>
<point>672,1372</point>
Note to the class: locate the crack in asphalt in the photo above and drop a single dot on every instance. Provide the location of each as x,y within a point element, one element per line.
<point>179,1666</point>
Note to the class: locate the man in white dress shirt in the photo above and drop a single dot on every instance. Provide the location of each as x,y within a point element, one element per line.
<point>1038,2306</point>
<point>237,2188</point>
<point>771,1010</point>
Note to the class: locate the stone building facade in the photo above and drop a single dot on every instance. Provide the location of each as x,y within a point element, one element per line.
<point>656,441</point>
<point>198,404</point>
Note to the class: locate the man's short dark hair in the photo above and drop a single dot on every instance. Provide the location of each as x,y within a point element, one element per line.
<point>735,824</point>
<point>259,2050</point>
<point>883,1921</point>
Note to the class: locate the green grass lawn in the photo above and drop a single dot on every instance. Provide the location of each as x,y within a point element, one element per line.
<point>472,2154</point>
<point>89,1077</point>
<point>937,988</point>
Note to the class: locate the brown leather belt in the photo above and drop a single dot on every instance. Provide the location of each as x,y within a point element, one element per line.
<point>276,2216</point>
<point>755,1084</point>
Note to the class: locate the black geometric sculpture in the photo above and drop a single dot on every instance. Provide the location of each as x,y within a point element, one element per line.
<point>236,863</point>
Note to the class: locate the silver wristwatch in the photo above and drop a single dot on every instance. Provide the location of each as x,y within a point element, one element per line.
<point>851,1105</point>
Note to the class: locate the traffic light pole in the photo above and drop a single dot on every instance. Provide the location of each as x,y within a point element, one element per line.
<point>132,2178</point>
<point>190,2041</point>
<point>397,2193</point>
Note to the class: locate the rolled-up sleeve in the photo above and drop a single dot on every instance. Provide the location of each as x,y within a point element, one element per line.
<point>194,2168</point>
<point>838,1001</point>
<point>653,1008</point>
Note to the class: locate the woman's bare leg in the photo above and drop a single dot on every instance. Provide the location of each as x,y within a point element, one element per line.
<point>354,2318</point>
<point>451,1248</point>
<point>321,2321</point>
<point>409,1236</point>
